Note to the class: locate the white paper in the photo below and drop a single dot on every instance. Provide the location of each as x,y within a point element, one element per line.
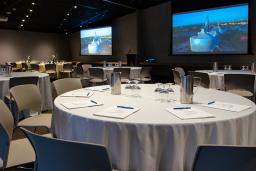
<point>78,94</point>
<point>116,112</point>
<point>99,88</point>
<point>80,104</point>
<point>190,113</point>
<point>227,106</point>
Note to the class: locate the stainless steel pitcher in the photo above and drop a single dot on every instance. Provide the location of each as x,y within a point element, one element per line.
<point>215,66</point>
<point>253,68</point>
<point>115,83</point>
<point>8,70</point>
<point>187,88</point>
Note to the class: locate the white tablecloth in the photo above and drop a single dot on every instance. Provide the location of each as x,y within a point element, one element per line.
<point>135,71</point>
<point>217,78</point>
<point>153,139</point>
<point>43,83</point>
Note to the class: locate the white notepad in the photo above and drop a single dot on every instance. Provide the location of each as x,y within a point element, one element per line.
<point>227,106</point>
<point>191,113</point>
<point>116,112</point>
<point>81,104</point>
<point>99,88</point>
<point>78,94</point>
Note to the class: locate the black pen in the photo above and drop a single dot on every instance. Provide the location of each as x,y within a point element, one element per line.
<point>182,108</point>
<point>94,102</point>
<point>88,94</point>
<point>211,102</point>
<point>125,107</point>
<point>105,88</point>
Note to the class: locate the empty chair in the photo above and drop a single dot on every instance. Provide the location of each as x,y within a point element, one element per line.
<point>205,81</point>
<point>67,84</point>
<point>14,66</point>
<point>24,66</point>
<point>241,84</point>
<point>28,97</point>
<point>145,75</point>
<point>61,155</point>
<point>13,152</point>
<point>225,158</point>
<point>86,69</point>
<point>51,70</point>
<point>15,81</point>
<point>67,69</point>
<point>125,74</point>
<point>176,77</point>
<point>34,67</point>
<point>180,70</point>
<point>97,76</point>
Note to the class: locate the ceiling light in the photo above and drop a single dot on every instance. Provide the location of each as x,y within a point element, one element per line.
<point>64,19</point>
<point>81,26</point>
<point>68,14</point>
<point>30,10</point>
<point>27,16</point>
<point>21,25</point>
<point>33,3</point>
<point>75,7</point>
<point>23,20</point>
<point>8,12</point>
<point>13,9</point>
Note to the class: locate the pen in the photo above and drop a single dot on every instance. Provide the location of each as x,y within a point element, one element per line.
<point>105,88</point>
<point>94,102</point>
<point>88,94</point>
<point>182,108</point>
<point>125,107</point>
<point>211,102</point>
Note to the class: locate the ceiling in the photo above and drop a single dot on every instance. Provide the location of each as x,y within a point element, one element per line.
<point>65,15</point>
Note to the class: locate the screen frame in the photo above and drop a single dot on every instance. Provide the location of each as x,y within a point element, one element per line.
<point>207,53</point>
<point>91,28</point>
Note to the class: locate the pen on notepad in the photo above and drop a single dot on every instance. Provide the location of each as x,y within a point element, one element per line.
<point>211,102</point>
<point>125,107</point>
<point>105,88</point>
<point>93,102</point>
<point>88,94</point>
<point>182,108</point>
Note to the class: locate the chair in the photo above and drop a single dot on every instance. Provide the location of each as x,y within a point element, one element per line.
<point>28,97</point>
<point>97,76</point>
<point>178,72</point>
<point>67,69</point>
<point>145,75</point>
<point>34,67</point>
<point>61,155</point>
<point>24,66</point>
<point>51,70</point>
<point>125,74</point>
<point>14,66</point>
<point>240,84</point>
<point>12,152</point>
<point>225,158</point>
<point>205,81</point>
<point>86,69</point>
<point>67,84</point>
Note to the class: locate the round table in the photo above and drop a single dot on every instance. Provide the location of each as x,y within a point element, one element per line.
<point>43,83</point>
<point>217,78</point>
<point>153,139</point>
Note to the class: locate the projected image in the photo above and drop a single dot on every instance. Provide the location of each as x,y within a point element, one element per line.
<point>96,41</point>
<point>217,31</point>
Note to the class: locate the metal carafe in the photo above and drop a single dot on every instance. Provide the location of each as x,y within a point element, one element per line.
<point>115,83</point>
<point>253,68</point>
<point>8,70</point>
<point>215,66</point>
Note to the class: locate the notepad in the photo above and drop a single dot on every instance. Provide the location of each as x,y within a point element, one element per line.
<point>80,104</point>
<point>191,113</point>
<point>99,88</point>
<point>78,94</point>
<point>227,106</point>
<point>116,112</point>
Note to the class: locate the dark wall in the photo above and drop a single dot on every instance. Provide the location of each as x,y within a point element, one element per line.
<point>156,37</point>
<point>17,45</point>
<point>124,39</point>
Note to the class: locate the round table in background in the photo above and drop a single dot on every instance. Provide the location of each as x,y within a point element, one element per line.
<point>43,83</point>
<point>153,139</point>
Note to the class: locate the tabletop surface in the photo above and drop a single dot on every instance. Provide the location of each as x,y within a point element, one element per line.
<point>222,72</point>
<point>152,111</point>
<point>24,74</point>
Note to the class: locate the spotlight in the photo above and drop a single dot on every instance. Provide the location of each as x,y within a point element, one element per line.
<point>21,25</point>
<point>26,16</point>
<point>30,10</point>
<point>81,26</point>
<point>33,3</point>
<point>23,20</point>
<point>68,14</point>
<point>75,6</point>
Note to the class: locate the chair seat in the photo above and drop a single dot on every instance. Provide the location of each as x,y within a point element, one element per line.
<point>97,80</point>
<point>42,120</point>
<point>241,92</point>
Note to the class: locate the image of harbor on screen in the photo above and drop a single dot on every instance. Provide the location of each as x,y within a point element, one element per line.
<point>217,31</point>
<point>96,41</point>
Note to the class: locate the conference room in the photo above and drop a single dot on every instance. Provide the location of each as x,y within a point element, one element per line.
<point>127,85</point>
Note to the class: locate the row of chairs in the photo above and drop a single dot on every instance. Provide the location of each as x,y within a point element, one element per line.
<point>240,84</point>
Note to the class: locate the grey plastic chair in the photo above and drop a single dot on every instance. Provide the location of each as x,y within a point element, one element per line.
<point>12,152</point>
<point>28,97</point>
<point>176,77</point>
<point>61,155</point>
<point>180,70</point>
<point>86,67</point>
<point>125,74</point>
<point>51,70</point>
<point>205,81</point>
<point>225,158</point>
<point>67,84</point>
<point>145,74</point>
<point>240,84</point>
<point>97,75</point>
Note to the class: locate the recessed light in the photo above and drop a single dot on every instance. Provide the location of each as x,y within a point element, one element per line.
<point>33,3</point>
<point>23,20</point>
<point>64,19</point>
<point>30,10</point>
<point>21,25</point>
<point>75,6</point>
<point>68,14</point>
<point>27,16</point>
<point>8,12</point>
<point>81,26</point>
<point>13,9</point>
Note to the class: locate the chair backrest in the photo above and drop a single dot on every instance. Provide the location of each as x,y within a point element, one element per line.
<point>86,67</point>
<point>27,97</point>
<point>50,67</point>
<point>180,70</point>
<point>6,131</point>
<point>96,73</point>
<point>60,155</point>
<point>34,67</point>
<point>239,81</point>
<point>145,72</point>
<point>67,84</point>
<point>176,76</point>
<point>67,67</point>
<point>16,81</point>
<point>225,158</point>
<point>13,64</point>
<point>205,81</point>
<point>125,72</point>
<point>24,66</point>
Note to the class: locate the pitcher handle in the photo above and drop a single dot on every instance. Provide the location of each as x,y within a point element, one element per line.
<point>199,83</point>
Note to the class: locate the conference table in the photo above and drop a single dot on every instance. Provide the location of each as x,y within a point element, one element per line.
<point>217,78</point>
<point>153,139</point>
<point>43,83</point>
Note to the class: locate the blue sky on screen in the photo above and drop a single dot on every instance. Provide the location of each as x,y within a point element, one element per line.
<point>232,13</point>
<point>106,31</point>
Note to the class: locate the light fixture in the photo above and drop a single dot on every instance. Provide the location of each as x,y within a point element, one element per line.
<point>75,6</point>
<point>21,25</point>
<point>8,12</point>
<point>68,14</point>
<point>26,16</point>
<point>33,3</point>
<point>23,20</point>
<point>30,10</point>
<point>64,19</point>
